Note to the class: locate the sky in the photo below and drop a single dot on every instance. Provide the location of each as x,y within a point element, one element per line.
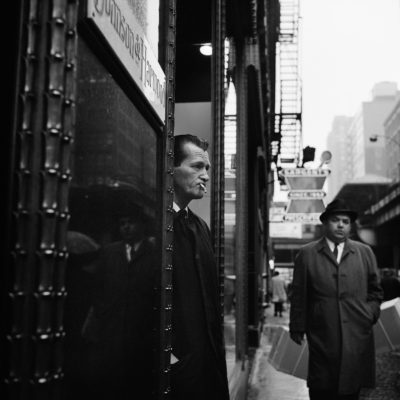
<point>346,46</point>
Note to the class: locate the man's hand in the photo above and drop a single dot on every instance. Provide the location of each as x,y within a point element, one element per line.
<point>297,337</point>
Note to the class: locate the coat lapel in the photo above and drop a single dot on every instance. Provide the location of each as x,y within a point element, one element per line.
<point>324,249</point>
<point>348,248</point>
<point>207,272</point>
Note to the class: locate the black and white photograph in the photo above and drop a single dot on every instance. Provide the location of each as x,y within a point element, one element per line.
<point>201,200</point>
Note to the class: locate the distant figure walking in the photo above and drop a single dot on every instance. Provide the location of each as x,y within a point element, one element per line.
<point>278,293</point>
<point>390,285</point>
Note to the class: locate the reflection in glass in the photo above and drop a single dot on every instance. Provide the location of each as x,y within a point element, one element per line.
<point>112,268</point>
<point>230,218</point>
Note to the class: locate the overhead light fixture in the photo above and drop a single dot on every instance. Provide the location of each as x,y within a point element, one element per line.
<point>206,49</point>
<point>373,138</point>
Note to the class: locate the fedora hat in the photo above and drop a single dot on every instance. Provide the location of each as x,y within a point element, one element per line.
<point>338,206</point>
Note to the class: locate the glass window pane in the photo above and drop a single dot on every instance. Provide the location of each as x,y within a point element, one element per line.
<point>113,266</point>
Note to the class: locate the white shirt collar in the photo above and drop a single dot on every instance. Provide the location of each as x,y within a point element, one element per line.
<point>128,248</point>
<point>331,244</point>
<point>340,247</point>
<point>177,208</point>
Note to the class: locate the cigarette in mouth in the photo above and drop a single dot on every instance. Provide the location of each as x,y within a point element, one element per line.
<point>203,187</point>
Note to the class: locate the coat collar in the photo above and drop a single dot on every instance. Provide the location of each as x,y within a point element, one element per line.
<point>322,246</point>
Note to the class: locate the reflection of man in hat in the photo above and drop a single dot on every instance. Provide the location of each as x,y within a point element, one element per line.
<point>120,328</point>
<point>335,302</point>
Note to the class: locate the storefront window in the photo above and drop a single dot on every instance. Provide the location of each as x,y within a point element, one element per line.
<point>113,268</point>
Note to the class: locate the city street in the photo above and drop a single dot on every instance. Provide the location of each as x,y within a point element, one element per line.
<point>266,383</point>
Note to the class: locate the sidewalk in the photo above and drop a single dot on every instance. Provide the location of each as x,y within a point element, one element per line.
<point>266,383</point>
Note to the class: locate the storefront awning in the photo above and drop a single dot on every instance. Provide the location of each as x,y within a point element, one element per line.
<point>387,208</point>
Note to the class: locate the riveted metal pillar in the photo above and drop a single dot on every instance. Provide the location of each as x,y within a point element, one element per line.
<point>167,199</point>
<point>36,264</point>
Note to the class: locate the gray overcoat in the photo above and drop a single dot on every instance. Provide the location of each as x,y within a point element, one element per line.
<point>336,306</point>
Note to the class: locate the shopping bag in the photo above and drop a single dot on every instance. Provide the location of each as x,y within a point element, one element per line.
<point>387,328</point>
<point>287,356</point>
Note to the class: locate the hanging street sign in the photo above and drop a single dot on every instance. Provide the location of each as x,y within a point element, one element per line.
<point>305,194</point>
<point>305,178</point>
<point>309,218</point>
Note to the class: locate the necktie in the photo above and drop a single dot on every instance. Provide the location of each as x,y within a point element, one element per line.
<point>336,251</point>
<point>182,215</point>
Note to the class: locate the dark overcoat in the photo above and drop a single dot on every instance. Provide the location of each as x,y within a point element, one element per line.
<point>120,329</point>
<point>336,306</point>
<point>197,330</point>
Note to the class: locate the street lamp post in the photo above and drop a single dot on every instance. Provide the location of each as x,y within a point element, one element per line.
<point>374,138</point>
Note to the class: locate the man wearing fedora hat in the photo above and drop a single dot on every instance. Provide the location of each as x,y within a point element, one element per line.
<point>335,303</point>
<point>119,327</point>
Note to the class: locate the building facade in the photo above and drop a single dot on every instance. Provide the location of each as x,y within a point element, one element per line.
<point>369,158</point>
<point>95,94</point>
<point>392,142</point>
<point>338,145</point>
<point>369,171</point>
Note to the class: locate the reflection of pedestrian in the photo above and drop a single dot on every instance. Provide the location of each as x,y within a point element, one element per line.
<point>390,285</point>
<point>120,327</point>
<point>229,295</point>
<point>78,283</point>
<point>198,370</point>
<point>278,293</point>
<point>335,302</point>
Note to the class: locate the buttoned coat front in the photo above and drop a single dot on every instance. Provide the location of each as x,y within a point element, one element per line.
<point>197,330</point>
<point>336,306</point>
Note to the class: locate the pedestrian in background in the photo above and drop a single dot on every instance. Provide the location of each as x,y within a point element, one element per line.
<point>335,302</point>
<point>390,285</point>
<point>278,293</point>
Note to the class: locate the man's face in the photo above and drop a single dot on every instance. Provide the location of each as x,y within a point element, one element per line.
<point>191,176</point>
<point>130,230</point>
<point>337,227</point>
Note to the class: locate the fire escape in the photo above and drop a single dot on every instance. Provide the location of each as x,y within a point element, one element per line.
<point>286,142</point>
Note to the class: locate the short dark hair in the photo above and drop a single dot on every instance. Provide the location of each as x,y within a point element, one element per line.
<point>180,141</point>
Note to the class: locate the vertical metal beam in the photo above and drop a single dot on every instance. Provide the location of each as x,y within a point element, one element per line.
<point>167,211</point>
<point>241,249</point>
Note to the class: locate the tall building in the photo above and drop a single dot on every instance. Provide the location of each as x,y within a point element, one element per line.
<point>368,158</point>
<point>360,151</point>
<point>338,145</point>
<point>391,142</point>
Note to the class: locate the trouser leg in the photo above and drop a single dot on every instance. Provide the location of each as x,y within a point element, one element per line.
<point>332,395</point>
